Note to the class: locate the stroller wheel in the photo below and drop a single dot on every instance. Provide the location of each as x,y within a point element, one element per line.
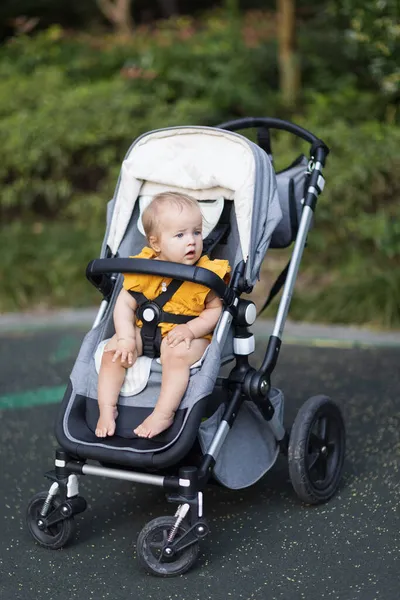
<point>316,450</point>
<point>55,536</point>
<point>152,542</point>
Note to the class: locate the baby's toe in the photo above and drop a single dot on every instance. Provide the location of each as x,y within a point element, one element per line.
<point>141,431</point>
<point>111,430</point>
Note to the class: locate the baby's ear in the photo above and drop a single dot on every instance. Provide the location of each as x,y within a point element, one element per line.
<point>153,241</point>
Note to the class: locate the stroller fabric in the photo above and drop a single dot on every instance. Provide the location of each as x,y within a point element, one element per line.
<point>250,448</point>
<point>214,166</point>
<point>211,161</point>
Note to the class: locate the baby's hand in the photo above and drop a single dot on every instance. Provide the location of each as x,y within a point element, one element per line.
<point>179,334</point>
<point>126,350</point>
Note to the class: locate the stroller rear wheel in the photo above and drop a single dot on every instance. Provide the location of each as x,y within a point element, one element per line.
<point>55,536</point>
<point>316,450</point>
<point>157,555</point>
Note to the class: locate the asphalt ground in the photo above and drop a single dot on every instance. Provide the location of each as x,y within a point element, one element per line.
<point>263,544</point>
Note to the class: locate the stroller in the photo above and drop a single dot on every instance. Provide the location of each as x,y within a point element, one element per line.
<point>247,208</point>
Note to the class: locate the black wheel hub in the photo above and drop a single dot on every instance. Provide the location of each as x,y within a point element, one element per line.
<point>165,549</point>
<point>53,530</point>
<point>160,548</point>
<point>323,451</point>
<point>41,525</point>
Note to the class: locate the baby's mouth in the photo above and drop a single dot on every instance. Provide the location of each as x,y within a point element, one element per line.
<point>190,254</point>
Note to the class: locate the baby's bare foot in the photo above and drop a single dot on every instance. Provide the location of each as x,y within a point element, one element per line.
<point>106,423</point>
<point>155,424</point>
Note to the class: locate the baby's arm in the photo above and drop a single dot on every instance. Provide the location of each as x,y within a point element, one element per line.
<point>124,323</point>
<point>200,326</point>
<point>207,320</point>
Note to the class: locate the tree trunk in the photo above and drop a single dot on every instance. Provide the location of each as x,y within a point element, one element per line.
<point>289,68</point>
<point>169,8</point>
<point>118,12</point>
<point>233,9</point>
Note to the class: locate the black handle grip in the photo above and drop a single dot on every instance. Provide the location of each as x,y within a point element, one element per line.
<point>272,123</point>
<point>162,268</point>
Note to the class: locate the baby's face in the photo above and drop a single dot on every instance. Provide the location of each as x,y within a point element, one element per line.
<point>180,238</point>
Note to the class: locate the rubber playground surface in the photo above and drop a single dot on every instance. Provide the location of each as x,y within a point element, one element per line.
<point>263,543</point>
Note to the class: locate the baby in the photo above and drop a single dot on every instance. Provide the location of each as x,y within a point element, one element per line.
<point>173,226</point>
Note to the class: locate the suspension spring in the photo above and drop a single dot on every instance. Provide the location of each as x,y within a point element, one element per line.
<point>180,515</point>
<point>173,531</point>
<point>46,504</point>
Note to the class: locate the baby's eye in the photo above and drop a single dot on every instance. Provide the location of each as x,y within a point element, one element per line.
<point>179,235</point>
<point>197,232</point>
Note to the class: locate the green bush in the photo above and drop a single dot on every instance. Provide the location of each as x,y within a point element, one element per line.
<point>65,141</point>
<point>43,265</point>
<point>71,107</point>
<point>352,260</point>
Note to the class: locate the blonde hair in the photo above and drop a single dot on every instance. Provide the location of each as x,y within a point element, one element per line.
<point>150,216</point>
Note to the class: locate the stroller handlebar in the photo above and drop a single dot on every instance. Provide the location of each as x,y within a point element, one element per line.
<point>317,145</point>
<point>102,266</point>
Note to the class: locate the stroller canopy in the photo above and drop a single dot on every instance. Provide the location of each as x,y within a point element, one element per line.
<point>207,163</point>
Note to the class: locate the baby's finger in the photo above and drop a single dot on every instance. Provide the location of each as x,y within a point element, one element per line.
<point>116,355</point>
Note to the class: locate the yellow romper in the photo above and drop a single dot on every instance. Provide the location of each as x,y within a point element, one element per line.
<point>189,299</point>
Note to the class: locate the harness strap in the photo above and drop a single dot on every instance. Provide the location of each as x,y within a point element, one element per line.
<point>151,339</point>
<point>177,319</point>
<point>151,314</point>
<point>264,140</point>
<point>214,238</point>
<point>220,232</point>
<point>162,298</point>
<point>139,297</point>
<point>279,283</point>
<point>166,296</point>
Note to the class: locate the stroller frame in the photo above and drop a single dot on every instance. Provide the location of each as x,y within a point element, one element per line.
<point>50,514</point>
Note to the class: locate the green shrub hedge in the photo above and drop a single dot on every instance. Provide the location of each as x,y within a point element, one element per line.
<point>353,252</point>
<point>71,107</point>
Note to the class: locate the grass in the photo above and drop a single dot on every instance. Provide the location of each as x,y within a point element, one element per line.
<point>43,265</point>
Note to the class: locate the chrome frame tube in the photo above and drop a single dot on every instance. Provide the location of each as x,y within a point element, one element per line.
<point>124,475</point>
<point>222,328</point>
<point>100,314</point>
<point>218,439</point>
<point>287,293</point>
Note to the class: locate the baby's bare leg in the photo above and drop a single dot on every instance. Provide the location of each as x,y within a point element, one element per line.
<point>174,380</point>
<point>111,378</point>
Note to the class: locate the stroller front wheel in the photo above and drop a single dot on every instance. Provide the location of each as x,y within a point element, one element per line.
<point>54,536</point>
<point>158,556</point>
<point>316,450</point>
